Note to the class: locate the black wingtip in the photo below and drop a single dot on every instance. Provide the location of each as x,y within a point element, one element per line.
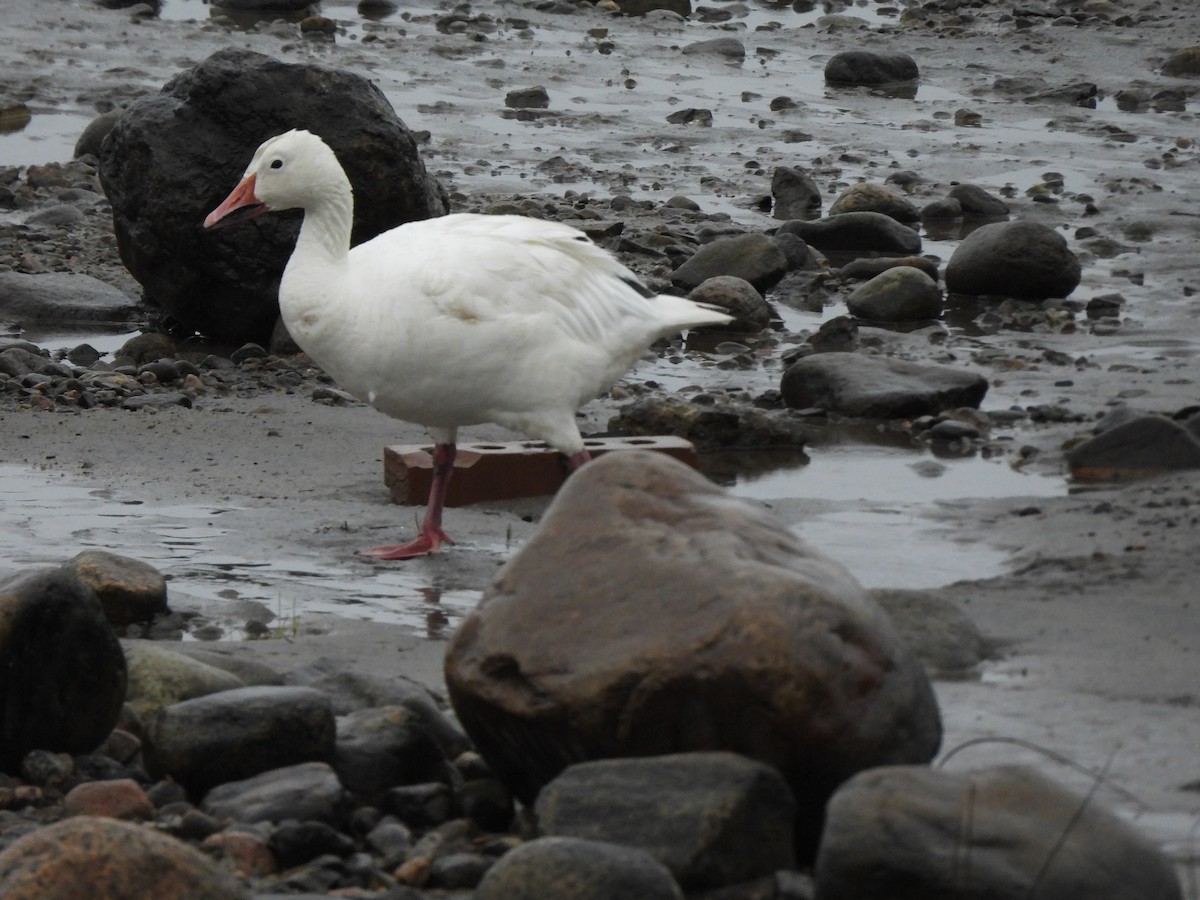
<point>640,288</point>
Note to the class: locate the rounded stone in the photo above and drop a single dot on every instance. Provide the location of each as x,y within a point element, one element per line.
<point>63,680</point>
<point>1019,259</point>
<point>105,859</point>
<point>555,868</point>
<point>899,294</point>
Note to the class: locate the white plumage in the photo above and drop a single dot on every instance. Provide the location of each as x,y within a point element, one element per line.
<point>456,320</point>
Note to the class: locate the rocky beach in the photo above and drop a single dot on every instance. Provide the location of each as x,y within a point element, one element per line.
<point>1055,614</point>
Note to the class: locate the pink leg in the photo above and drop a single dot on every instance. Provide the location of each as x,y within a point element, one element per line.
<point>431,535</point>
<point>575,460</point>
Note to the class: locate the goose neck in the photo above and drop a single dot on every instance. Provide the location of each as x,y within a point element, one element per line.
<point>328,221</point>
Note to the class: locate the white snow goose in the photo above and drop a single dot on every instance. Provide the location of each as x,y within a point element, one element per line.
<point>453,321</point>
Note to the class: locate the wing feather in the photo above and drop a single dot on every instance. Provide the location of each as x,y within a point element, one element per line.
<point>486,269</point>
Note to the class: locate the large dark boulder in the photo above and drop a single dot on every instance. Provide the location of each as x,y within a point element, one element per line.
<point>62,672</point>
<point>172,157</point>
<point>651,613</point>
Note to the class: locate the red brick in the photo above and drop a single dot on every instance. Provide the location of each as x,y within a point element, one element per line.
<point>504,471</point>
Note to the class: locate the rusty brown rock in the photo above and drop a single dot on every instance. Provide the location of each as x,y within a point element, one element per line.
<point>118,798</point>
<point>104,859</point>
<point>246,855</point>
<point>129,589</point>
<point>867,197</point>
<point>652,613</point>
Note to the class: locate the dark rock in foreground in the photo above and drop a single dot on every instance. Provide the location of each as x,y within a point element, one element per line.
<point>911,833</point>
<point>558,868</point>
<point>651,613</point>
<point>63,677</point>
<point>242,732</point>
<point>307,791</point>
<point>713,819</point>
<point>172,157</point>
<point>109,860</point>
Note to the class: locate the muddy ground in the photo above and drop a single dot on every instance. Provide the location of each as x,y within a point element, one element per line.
<point>1095,611</point>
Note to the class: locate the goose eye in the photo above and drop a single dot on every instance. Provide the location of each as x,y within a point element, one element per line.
<point>277,164</point>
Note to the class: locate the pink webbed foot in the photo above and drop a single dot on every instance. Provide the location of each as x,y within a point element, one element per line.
<point>422,545</point>
<point>431,536</point>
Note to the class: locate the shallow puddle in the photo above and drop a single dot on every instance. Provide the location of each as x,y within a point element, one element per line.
<point>46,518</point>
<point>47,135</point>
<point>875,510</point>
<point>875,516</point>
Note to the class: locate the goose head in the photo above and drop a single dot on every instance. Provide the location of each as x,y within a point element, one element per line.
<point>293,170</point>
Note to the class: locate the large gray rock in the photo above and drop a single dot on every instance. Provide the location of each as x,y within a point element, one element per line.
<point>713,819</point>
<point>62,298</point>
<point>1143,445</point>
<point>560,868</point>
<point>381,747</point>
<point>752,257</point>
<point>62,673</point>
<point>172,157</point>
<point>856,232</point>
<point>305,792</point>
<point>240,733</point>
<point>1013,259</point>
<point>911,833</point>
<point>651,613</point>
<point>874,387</point>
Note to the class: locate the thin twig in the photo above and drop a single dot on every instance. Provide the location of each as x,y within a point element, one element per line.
<point>1071,823</point>
<point>1050,754</point>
